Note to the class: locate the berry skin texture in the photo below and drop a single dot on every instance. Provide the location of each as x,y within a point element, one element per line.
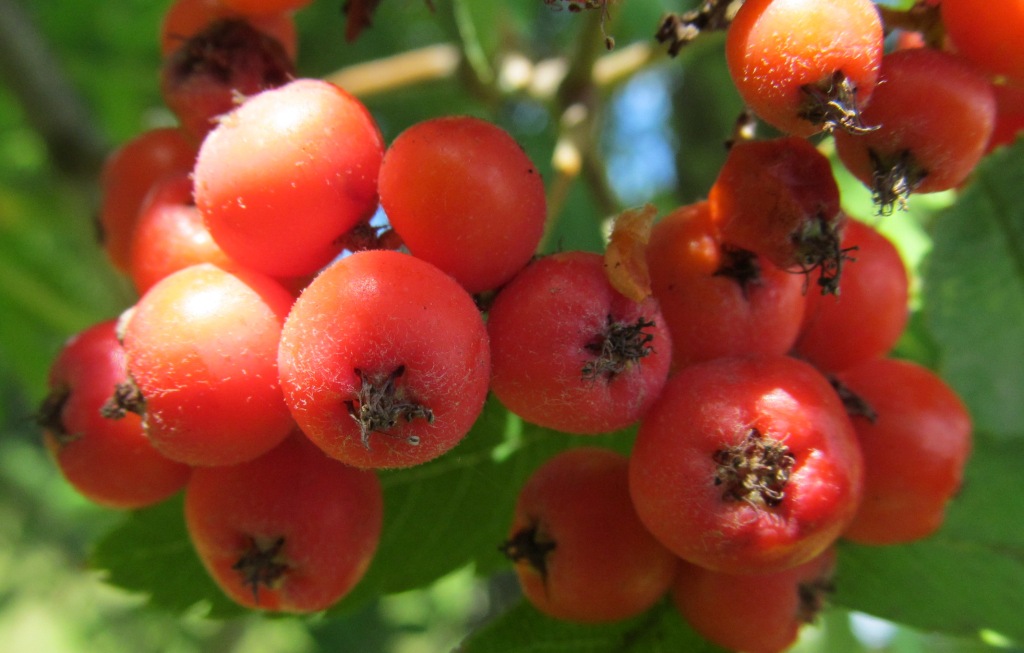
<point>719,301</point>
<point>916,440</point>
<point>170,235</point>
<point>1009,115</point>
<point>291,531</point>
<point>286,174</point>
<point>463,195</point>
<point>204,78</point>
<point>746,465</point>
<point>184,18</point>
<point>754,613</point>
<point>781,53</point>
<point>264,7</point>
<point>935,114</point>
<point>202,351</point>
<point>778,198</point>
<point>987,34</point>
<point>868,317</point>
<point>572,354</point>
<point>580,552</point>
<point>384,361</point>
<point>128,175</point>
<point>106,459</point>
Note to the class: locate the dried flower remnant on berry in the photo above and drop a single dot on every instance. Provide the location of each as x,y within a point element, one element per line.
<point>832,103</point>
<point>618,347</point>
<point>261,565</point>
<point>381,403</point>
<point>527,544</point>
<point>756,470</point>
<point>893,179</point>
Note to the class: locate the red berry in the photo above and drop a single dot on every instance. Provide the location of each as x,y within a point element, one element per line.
<point>805,65</point>
<point>104,454</point>
<point>579,549</point>
<point>185,18</point>
<point>291,531</point>
<point>170,235</point>
<point>202,351</point>
<point>128,175</point>
<point>463,195</point>
<point>264,7</point>
<point>285,175</point>
<point>778,198</point>
<point>572,354</point>
<point>384,360</point>
<point>987,33</point>
<point>746,465</point>
<point>1009,115</point>
<point>915,433</point>
<point>867,318</point>
<point>754,613</point>
<point>717,300</point>
<point>934,114</point>
<point>208,75</point>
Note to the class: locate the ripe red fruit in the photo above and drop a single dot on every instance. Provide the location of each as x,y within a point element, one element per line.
<point>570,353</point>
<point>170,235</point>
<point>754,613</point>
<point>291,531</point>
<point>286,174</point>
<point>915,433</point>
<point>384,360</point>
<point>184,18</point>
<point>580,552</point>
<point>228,60</point>
<point>202,351</point>
<point>1009,115</point>
<point>463,195</point>
<point>988,34</point>
<point>778,198</point>
<point>934,114</point>
<point>107,459</point>
<point>718,300</point>
<point>803,65</point>
<point>264,7</point>
<point>868,317</point>
<point>128,175</point>
<point>746,465</point>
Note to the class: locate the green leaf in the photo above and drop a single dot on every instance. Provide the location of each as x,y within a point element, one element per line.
<point>987,510</point>
<point>524,630</point>
<point>974,294</point>
<point>956,587</point>
<point>150,553</point>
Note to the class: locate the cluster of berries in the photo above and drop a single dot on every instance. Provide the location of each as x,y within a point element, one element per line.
<point>285,344</point>
<point>915,119</point>
<point>779,426</point>
<point>280,349</point>
<point>783,425</point>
